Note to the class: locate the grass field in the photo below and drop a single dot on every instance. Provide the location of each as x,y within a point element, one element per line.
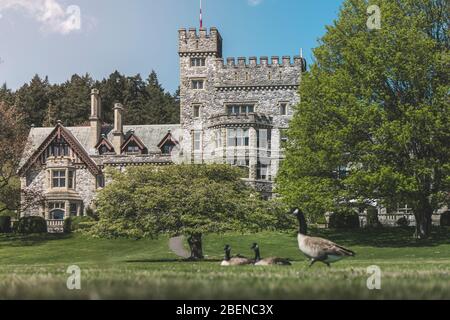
<point>34,267</point>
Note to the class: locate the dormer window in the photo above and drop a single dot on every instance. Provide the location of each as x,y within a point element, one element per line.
<point>167,148</point>
<point>104,146</point>
<point>133,145</point>
<point>167,144</point>
<point>133,148</point>
<point>102,150</point>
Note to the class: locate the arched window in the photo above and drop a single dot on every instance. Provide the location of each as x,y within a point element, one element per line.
<point>57,214</point>
<point>57,210</point>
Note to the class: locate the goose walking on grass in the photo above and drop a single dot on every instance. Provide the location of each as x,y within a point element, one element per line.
<point>233,261</point>
<point>318,249</point>
<point>274,261</point>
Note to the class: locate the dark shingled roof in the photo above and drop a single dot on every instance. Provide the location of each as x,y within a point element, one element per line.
<point>150,135</point>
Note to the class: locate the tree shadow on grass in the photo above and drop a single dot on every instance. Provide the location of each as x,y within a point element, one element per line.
<point>21,240</point>
<point>384,237</point>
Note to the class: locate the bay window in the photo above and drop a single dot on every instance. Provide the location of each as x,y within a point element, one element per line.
<point>58,178</point>
<point>238,137</point>
<point>63,178</point>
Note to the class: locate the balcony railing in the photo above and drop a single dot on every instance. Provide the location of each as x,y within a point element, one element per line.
<point>55,226</point>
<point>249,119</point>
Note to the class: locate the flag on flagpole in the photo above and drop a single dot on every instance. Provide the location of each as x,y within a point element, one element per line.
<point>201,17</point>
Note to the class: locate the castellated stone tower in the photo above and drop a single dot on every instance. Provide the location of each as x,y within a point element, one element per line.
<point>235,110</point>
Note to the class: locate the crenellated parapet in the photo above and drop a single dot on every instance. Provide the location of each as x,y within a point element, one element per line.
<point>193,42</point>
<point>264,62</point>
<point>244,73</point>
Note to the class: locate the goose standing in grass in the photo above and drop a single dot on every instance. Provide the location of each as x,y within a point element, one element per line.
<point>318,249</point>
<point>274,261</point>
<point>233,261</point>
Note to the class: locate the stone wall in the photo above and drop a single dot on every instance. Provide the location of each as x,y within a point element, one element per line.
<point>38,179</point>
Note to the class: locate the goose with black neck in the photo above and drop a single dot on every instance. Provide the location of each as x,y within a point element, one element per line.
<point>318,249</point>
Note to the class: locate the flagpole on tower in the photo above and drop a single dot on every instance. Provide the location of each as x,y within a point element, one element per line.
<point>201,16</point>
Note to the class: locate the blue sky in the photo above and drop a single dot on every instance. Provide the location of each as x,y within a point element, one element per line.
<point>136,36</point>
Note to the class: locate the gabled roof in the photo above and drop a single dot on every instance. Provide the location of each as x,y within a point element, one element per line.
<point>149,135</point>
<point>133,138</point>
<point>167,138</point>
<point>104,141</point>
<point>75,145</point>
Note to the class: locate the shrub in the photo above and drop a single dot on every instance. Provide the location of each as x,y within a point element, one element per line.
<point>5,224</point>
<point>321,220</point>
<point>402,222</point>
<point>75,224</point>
<point>445,219</point>
<point>344,220</point>
<point>92,214</point>
<point>30,225</point>
<point>67,225</point>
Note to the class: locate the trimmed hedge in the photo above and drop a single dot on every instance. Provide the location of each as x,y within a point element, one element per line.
<point>445,219</point>
<point>344,220</point>
<point>30,225</point>
<point>74,224</point>
<point>5,224</point>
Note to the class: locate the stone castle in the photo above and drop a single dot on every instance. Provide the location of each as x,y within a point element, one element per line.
<point>232,112</point>
<point>235,111</point>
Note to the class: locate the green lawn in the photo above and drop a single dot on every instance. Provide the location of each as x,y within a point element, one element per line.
<point>34,267</point>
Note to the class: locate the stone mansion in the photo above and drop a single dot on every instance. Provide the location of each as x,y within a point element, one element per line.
<point>231,112</point>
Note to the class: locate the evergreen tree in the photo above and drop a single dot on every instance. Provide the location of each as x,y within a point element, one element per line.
<point>32,100</point>
<point>6,95</point>
<point>112,91</point>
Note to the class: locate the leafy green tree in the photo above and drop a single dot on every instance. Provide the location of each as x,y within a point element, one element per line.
<point>182,200</point>
<point>373,121</point>
<point>13,135</point>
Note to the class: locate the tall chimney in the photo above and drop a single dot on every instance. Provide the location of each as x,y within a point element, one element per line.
<point>118,128</point>
<point>95,118</point>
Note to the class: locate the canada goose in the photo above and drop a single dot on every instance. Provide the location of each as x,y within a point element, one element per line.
<point>318,249</point>
<point>233,261</point>
<point>268,261</point>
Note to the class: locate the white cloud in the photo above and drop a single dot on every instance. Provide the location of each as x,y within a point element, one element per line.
<point>52,16</point>
<point>254,3</point>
